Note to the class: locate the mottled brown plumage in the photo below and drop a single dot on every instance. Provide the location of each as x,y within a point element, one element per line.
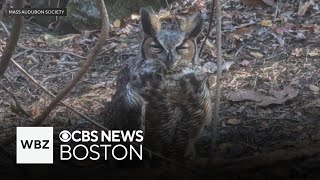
<point>163,90</point>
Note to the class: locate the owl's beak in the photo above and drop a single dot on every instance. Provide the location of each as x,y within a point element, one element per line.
<point>169,61</point>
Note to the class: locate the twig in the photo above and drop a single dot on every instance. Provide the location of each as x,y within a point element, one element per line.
<point>4,4</point>
<point>10,83</point>
<point>56,75</point>
<point>34,60</point>
<point>239,27</point>
<point>21,53</point>
<point>60,52</point>
<point>209,30</point>
<point>174,18</point>
<point>275,13</point>
<point>5,28</point>
<point>236,54</point>
<point>218,81</point>
<point>18,107</point>
<point>53,52</point>
<point>225,3</point>
<point>244,25</point>
<point>13,40</point>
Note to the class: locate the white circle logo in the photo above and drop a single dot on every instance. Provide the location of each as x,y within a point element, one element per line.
<point>65,136</point>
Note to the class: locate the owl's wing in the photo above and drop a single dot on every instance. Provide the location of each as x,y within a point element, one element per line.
<point>194,100</point>
<point>127,108</point>
<point>124,74</point>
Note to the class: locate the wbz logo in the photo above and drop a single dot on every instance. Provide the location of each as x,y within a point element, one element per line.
<point>37,144</point>
<point>34,145</point>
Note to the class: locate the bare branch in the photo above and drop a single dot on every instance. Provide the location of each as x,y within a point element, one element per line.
<point>52,95</point>
<point>209,29</point>
<point>18,107</point>
<point>5,28</point>
<point>218,80</point>
<point>4,4</point>
<point>92,56</point>
<point>53,52</point>
<point>13,40</point>
<point>88,62</point>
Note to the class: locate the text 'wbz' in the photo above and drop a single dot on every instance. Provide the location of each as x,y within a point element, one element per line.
<point>115,149</point>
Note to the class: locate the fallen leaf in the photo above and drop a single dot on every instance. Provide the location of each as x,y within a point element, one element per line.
<point>117,23</point>
<point>300,36</point>
<point>314,88</point>
<point>209,67</point>
<point>266,23</point>
<point>234,121</point>
<point>240,110</point>
<point>242,31</point>
<point>282,116</point>
<point>99,85</point>
<point>35,112</point>
<point>304,8</point>
<point>208,43</point>
<point>263,99</point>
<point>311,27</point>
<point>285,29</point>
<point>226,65</point>
<point>257,2</point>
<point>256,55</point>
<point>314,53</point>
<point>245,63</point>
<point>245,95</point>
<point>296,52</point>
<point>237,37</point>
<point>280,40</point>
<point>135,16</point>
<point>269,2</point>
<point>48,37</point>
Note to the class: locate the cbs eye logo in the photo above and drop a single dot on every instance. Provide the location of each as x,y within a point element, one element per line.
<point>65,136</point>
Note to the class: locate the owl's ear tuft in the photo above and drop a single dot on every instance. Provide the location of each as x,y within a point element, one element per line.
<point>193,25</point>
<point>150,21</point>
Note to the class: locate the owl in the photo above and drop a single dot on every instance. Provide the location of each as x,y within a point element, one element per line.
<point>164,90</point>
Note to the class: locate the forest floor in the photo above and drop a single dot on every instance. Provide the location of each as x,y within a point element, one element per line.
<point>270,94</point>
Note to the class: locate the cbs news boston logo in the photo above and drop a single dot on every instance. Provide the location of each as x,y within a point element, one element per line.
<point>35,144</point>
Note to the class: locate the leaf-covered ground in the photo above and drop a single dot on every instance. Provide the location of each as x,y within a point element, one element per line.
<point>270,94</point>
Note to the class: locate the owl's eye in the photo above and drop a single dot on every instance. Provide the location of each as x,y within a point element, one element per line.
<point>156,47</point>
<point>183,48</point>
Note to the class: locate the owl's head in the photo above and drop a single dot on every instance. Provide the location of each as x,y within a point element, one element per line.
<point>170,46</point>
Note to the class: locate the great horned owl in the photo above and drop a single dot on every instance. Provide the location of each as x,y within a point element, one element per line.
<point>163,90</point>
